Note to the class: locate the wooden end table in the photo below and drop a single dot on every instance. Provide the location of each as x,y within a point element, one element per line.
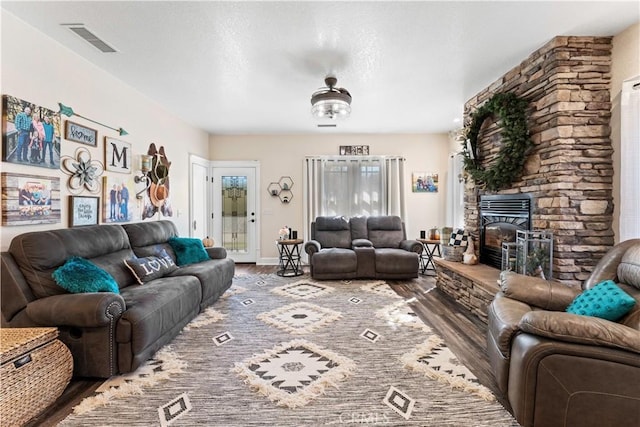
<point>431,248</point>
<point>289,258</point>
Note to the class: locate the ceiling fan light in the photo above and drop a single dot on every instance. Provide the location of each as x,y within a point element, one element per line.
<point>331,102</point>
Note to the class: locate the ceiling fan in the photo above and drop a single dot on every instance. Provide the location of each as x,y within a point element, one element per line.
<point>331,102</point>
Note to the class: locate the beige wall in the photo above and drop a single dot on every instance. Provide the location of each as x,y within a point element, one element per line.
<point>625,65</point>
<point>282,155</point>
<point>50,73</point>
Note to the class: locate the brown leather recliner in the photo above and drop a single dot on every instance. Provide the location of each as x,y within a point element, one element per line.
<point>562,369</point>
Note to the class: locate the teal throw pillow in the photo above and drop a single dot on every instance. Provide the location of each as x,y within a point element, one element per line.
<point>188,250</point>
<point>78,275</point>
<point>605,300</point>
<point>151,267</point>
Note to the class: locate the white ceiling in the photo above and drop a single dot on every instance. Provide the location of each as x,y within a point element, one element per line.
<point>251,67</point>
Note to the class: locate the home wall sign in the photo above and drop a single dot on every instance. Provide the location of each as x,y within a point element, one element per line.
<point>79,133</point>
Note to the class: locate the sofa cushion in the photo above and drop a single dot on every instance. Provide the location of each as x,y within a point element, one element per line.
<point>215,276</point>
<point>629,267</point>
<point>385,231</point>
<point>154,309</point>
<point>39,253</point>
<point>79,275</point>
<point>152,267</point>
<point>358,226</point>
<point>188,250</point>
<point>334,260</point>
<point>605,300</point>
<point>332,232</point>
<point>396,261</point>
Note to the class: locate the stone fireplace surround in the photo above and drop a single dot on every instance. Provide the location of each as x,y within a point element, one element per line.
<point>569,172</point>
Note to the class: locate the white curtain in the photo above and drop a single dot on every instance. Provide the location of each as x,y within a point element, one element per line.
<point>352,185</point>
<point>455,192</point>
<point>630,161</point>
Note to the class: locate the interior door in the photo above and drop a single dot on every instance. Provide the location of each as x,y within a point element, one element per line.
<point>235,219</point>
<point>199,212</point>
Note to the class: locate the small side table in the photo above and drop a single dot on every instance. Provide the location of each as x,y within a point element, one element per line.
<point>289,255</point>
<point>431,248</point>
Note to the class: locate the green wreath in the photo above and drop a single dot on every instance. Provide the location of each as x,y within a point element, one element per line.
<point>511,111</point>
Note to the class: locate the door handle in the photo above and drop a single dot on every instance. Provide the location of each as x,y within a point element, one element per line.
<point>194,224</point>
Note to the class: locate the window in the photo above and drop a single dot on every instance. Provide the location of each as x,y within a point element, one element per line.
<point>630,159</point>
<point>349,186</point>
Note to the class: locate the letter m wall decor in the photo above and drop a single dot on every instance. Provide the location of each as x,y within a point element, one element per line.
<point>117,155</point>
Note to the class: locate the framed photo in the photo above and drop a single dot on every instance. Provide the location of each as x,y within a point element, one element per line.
<point>30,134</point>
<point>119,202</point>
<point>30,199</point>
<point>424,182</point>
<point>117,155</point>
<point>84,210</point>
<point>354,150</point>
<point>80,133</point>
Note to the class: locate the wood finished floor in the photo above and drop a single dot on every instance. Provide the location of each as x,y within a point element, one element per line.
<point>461,331</point>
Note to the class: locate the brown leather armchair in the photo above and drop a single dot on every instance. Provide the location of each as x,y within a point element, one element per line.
<point>562,369</point>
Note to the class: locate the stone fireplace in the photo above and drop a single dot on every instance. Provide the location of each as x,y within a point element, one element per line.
<point>501,215</point>
<point>568,173</point>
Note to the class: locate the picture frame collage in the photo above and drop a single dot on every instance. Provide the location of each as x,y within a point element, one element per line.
<point>32,135</point>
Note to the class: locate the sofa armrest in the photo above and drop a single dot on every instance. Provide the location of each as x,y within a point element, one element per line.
<point>78,310</point>
<point>504,320</point>
<point>312,246</point>
<point>411,246</point>
<point>580,329</point>
<point>361,243</point>
<point>535,291</point>
<point>217,252</point>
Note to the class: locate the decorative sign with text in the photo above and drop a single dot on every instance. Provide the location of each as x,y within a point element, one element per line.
<point>79,133</point>
<point>83,210</point>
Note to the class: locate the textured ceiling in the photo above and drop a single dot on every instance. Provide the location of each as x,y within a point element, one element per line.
<point>251,67</point>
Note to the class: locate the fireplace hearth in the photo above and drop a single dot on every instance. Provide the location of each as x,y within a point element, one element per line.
<point>501,215</point>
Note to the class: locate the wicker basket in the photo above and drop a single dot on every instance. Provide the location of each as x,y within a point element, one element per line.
<point>452,253</point>
<point>35,369</point>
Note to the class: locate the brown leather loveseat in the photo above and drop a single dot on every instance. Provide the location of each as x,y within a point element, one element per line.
<point>362,248</point>
<point>562,369</point>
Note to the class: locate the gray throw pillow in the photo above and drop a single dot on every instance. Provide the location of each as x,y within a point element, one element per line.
<point>151,267</point>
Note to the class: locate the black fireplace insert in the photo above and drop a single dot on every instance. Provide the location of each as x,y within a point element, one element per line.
<point>500,216</point>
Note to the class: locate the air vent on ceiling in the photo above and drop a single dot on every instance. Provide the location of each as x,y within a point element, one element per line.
<point>87,35</point>
<point>331,125</point>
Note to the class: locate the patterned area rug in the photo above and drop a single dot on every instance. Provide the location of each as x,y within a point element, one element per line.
<point>293,352</point>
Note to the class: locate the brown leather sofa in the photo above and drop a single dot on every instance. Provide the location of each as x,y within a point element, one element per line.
<point>362,248</point>
<point>108,333</point>
<point>562,369</point>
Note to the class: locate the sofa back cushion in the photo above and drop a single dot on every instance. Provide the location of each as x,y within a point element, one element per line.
<point>150,238</point>
<point>358,226</point>
<point>385,231</point>
<point>629,267</point>
<point>331,232</point>
<point>39,253</point>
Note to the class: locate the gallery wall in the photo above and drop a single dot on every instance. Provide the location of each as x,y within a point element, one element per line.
<point>283,155</point>
<point>37,69</point>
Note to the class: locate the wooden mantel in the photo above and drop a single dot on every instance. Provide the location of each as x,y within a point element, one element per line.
<point>472,286</point>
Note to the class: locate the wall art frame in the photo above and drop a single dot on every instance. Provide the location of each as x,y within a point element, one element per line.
<point>84,211</point>
<point>30,145</point>
<point>354,150</point>
<point>30,199</point>
<point>424,182</point>
<point>80,133</point>
<point>117,155</point>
